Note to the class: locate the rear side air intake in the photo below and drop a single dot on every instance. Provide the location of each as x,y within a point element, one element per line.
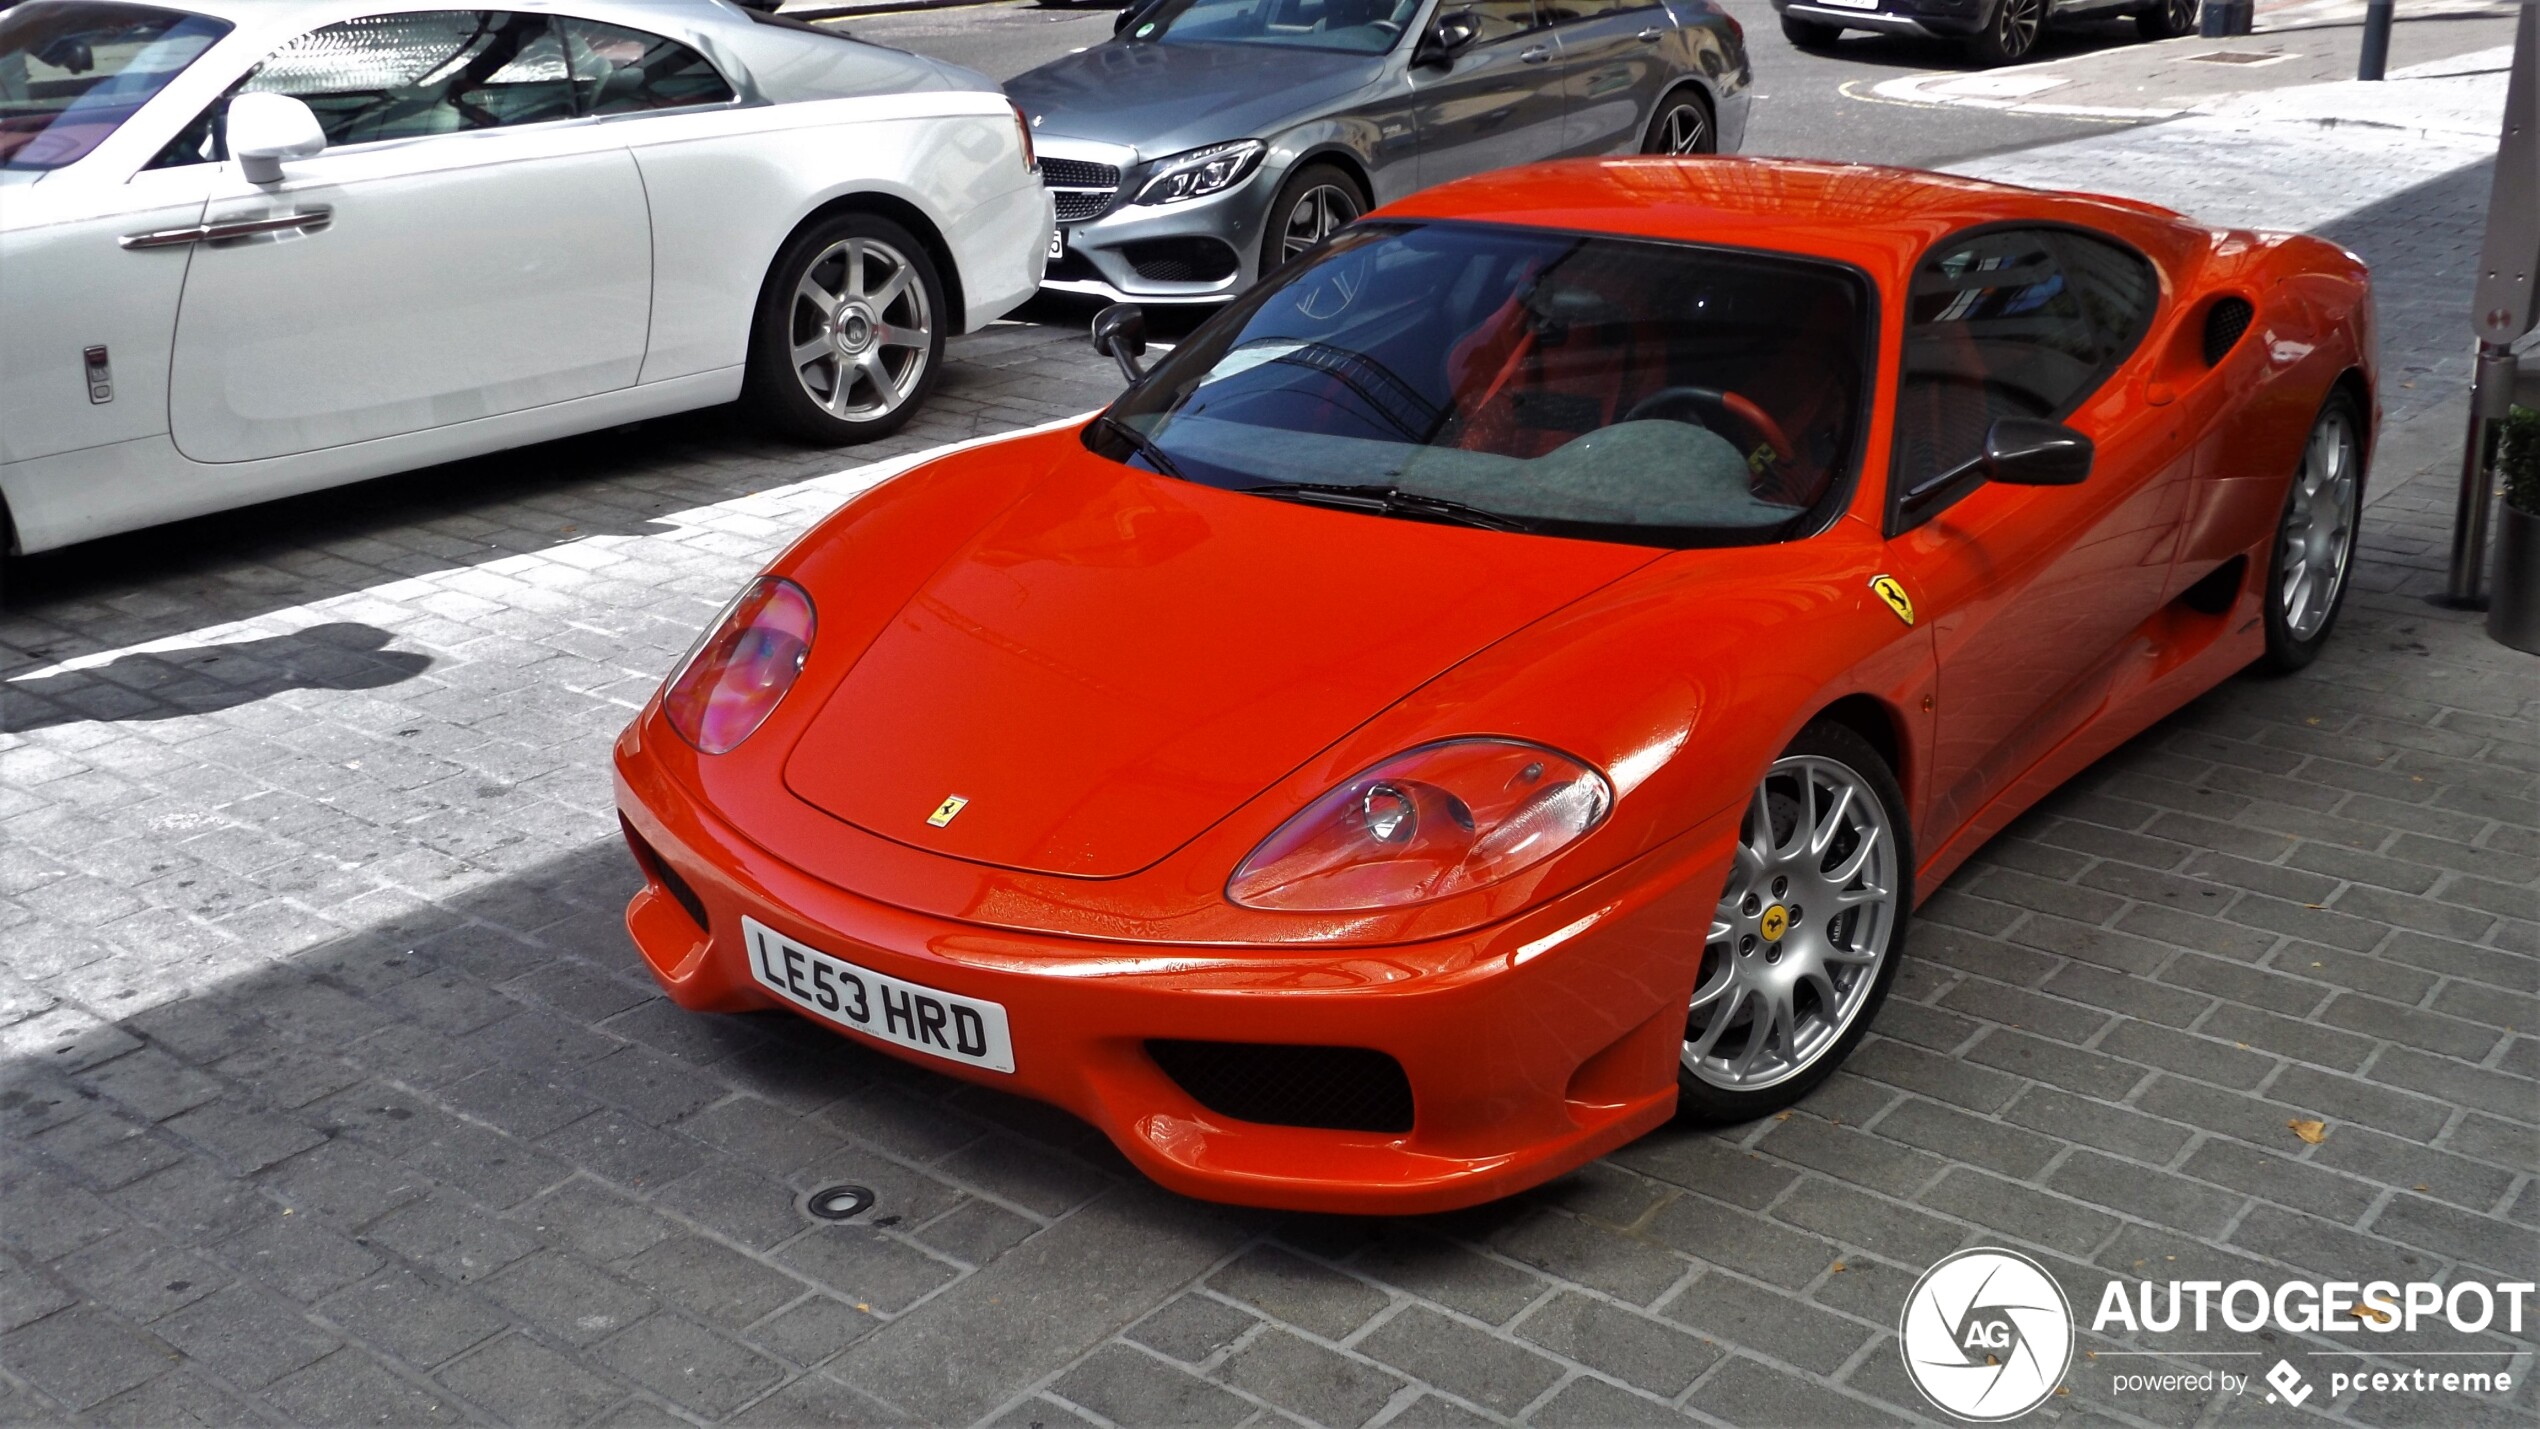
<point>2225,321</point>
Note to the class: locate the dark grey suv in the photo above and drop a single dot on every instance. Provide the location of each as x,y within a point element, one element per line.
<point>1996,31</point>
<point>1208,141</point>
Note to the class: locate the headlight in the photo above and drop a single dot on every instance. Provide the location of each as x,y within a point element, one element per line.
<point>733,680</point>
<point>1430,822</point>
<point>1202,171</point>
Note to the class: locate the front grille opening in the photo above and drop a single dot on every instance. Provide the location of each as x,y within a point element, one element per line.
<point>1081,190</point>
<point>2225,321</point>
<point>1180,260</point>
<point>659,871</point>
<point>1326,1088</point>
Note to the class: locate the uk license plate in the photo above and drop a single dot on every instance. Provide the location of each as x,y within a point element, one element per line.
<point>923,1019</point>
<point>1058,243</point>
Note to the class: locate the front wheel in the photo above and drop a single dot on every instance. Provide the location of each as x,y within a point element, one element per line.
<point>849,336</point>
<point>2315,538</point>
<point>2166,20</point>
<point>1316,202</point>
<point>1809,34</point>
<point>2010,34</point>
<point>1682,126</point>
<point>1807,934</point>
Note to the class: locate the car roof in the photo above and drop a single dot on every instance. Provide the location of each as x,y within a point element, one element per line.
<point>1875,218</point>
<point>295,16</point>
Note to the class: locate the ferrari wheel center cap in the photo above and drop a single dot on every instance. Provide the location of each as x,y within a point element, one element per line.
<point>1774,923</point>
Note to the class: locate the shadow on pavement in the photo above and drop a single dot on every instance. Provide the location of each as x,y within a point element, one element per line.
<point>201,679</point>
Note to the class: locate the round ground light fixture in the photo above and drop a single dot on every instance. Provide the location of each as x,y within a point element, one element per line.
<point>838,1203</point>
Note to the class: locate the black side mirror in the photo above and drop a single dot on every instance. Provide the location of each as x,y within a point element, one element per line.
<point>1450,36</point>
<point>1128,15</point>
<point>1120,333</point>
<point>2019,451</point>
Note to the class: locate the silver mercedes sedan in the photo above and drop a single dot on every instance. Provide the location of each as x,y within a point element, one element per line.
<point>1208,141</point>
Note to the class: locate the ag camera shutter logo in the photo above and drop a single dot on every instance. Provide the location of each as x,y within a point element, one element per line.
<point>1987,1335</point>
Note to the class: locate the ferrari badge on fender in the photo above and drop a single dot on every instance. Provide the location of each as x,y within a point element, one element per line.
<point>1889,589</point>
<point>953,803</point>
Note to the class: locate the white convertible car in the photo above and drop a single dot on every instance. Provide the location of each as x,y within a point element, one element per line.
<point>256,247</point>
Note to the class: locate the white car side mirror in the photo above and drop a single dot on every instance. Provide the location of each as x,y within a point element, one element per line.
<point>265,129</point>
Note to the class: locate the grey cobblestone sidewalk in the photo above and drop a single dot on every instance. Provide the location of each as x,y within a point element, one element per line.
<point>333,1093</point>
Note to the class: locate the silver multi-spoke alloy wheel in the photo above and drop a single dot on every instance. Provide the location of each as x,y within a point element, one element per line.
<point>860,329</point>
<point>1682,129</point>
<point>1320,211</point>
<point>2318,534</point>
<point>1803,930</point>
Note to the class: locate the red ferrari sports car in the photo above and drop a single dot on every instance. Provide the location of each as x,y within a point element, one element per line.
<point>1508,678</point>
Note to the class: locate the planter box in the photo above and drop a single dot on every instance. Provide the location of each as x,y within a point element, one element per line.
<point>2513,612</point>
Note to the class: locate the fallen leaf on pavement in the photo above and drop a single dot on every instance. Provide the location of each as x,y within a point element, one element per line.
<point>2313,1132</point>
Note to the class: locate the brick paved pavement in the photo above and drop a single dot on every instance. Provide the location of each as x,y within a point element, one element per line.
<point>331,1091</point>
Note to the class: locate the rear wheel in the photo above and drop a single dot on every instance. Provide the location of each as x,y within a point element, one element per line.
<point>1807,934</point>
<point>2315,538</point>
<point>1682,125</point>
<point>849,337</point>
<point>1808,34</point>
<point>2010,34</point>
<point>2166,20</point>
<point>1316,202</point>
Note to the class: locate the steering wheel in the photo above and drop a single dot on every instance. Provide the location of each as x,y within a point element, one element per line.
<point>1720,412</point>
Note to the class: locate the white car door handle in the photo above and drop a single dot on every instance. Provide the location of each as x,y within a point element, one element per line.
<point>306,219</point>
<point>1535,56</point>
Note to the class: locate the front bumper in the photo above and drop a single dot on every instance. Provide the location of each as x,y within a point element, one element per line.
<point>1530,1047</point>
<point>1205,250</point>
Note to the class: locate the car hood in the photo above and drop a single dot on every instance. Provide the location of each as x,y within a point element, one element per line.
<point>1117,660</point>
<point>1162,99</point>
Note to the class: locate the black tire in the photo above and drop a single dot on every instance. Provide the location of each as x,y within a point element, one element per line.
<point>2166,20</point>
<point>1809,34</point>
<point>1701,1101</point>
<point>2010,33</point>
<point>782,395</point>
<point>1278,234</point>
<point>1684,114</point>
<point>2288,649</point>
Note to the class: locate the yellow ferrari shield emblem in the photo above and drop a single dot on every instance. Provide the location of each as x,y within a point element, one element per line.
<point>1775,923</point>
<point>1889,589</point>
<point>944,812</point>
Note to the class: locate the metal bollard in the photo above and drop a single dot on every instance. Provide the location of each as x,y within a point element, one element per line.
<point>2376,56</point>
<point>2491,396</point>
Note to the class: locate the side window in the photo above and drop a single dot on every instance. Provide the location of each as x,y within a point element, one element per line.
<point>1562,12</point>
<point>1498,19</point>
<point>2010,322</point>
<point>620,71</point>
<point>439,72</point>
<point>404,76</point>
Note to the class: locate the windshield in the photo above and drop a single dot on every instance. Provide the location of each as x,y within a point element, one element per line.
<point>72,72</point>
<point>1617,389</point>
<point>1365,27</point>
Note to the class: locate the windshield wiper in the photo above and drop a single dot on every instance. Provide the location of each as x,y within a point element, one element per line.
<point>1139,441</point>
<point>1387,501</point>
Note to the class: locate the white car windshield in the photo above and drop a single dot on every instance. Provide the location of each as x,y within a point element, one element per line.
<point>1367,27</point>
<point>72,71</point>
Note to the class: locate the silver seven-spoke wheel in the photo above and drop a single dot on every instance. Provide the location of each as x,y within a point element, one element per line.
<point>848,337</point>
<point>2315,540</point>
<point>1802,936</point>
<point>861,331</point>
<point>2319,527</point>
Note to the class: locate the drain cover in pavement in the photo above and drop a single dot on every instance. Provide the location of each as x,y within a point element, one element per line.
<point>838,1203</point>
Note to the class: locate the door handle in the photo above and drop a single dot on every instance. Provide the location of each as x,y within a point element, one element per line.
<point>1650,36</point>
<point>1535,56</point>
<point>307,219</point>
